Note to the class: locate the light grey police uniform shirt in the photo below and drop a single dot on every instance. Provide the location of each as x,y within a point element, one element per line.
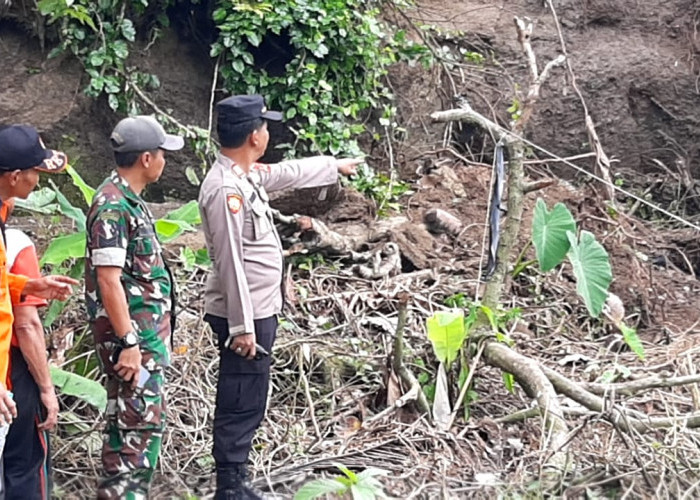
<point>245,282</point>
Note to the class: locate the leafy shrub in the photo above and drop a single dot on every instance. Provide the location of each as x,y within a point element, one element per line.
<point>361,486</point>
<point>100,34</point>
<point>554,237</point>
<point>331,57</point>
<point>66,253</point>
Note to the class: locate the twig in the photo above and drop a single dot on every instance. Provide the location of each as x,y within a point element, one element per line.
<point>397,359</point>
<point>466,385</point>
<point>307,392</point>
<point>636,386</point>
<point>602,160</point>
<point>211,104</point>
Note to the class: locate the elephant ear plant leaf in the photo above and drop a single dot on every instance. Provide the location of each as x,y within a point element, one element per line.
<point>549,234</point>
<point>592,269</point>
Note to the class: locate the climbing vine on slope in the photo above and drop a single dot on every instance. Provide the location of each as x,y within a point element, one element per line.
<point>322,62</point>
<point>101,34</point>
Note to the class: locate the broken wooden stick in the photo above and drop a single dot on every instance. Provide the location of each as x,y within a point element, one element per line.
<point>397,363</point>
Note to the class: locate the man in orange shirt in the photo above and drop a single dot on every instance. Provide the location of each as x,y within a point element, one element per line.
<point>27,456</point>
<point>22,156</point>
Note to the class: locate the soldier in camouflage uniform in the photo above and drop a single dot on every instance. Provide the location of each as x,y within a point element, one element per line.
<point>128,291</point>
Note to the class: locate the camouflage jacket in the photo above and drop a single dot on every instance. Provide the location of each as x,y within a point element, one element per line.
<point>121,233</point>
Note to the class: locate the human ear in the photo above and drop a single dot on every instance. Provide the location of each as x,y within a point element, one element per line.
<point>146,159</point>
<point>14,177</point>
<point>253,138</point>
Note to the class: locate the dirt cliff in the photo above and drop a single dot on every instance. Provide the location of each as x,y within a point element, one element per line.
<point>637,65</point>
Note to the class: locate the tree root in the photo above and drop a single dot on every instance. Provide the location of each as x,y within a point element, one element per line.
<point>641,385</point>
<point>624,419</point>
<point>530,377</point>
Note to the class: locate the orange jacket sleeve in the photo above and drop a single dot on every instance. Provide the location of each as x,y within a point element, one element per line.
<point>16,284</point>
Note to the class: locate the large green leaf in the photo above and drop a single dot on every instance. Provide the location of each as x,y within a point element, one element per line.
<point>168,230</point>
<point>188,212</point>
<point>77,386</point>
<point>592,269</point>
<point>87,191</point>
<point>40,201</point>
<point>68,209</point>
<point>319,487</point>
<point>447,333</point>
<point>71,246</point>
<point>549,233</point>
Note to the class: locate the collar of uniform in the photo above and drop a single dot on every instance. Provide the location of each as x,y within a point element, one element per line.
<point>124,187</point>
<point>231,165</point>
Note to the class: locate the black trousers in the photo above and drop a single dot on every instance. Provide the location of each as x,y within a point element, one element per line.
<point>241,393</point>
<point>26,459</point>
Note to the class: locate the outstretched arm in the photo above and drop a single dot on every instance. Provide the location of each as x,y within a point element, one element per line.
<point>50,287</point>
<point>309,172</point>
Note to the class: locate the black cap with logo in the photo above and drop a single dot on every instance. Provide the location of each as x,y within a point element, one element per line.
<point>21,148</point>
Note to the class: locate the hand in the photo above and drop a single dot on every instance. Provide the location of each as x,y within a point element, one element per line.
<point>129,365</point>
<point>348,166</point>
<point>244,345</point>
<point>48,399</point>
<point>8,408</point>
<point>50,287</point>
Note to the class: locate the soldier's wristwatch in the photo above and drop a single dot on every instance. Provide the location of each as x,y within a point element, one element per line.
<point>131,339</point>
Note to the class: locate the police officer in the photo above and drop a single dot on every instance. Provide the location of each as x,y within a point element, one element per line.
<point>128,293</point>
<point>243,293</point>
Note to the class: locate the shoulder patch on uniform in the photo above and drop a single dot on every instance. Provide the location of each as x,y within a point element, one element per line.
<point>110,215</point>
<point>234,202</point>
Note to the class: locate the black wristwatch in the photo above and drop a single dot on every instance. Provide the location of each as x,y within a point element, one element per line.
<point>131,339</point>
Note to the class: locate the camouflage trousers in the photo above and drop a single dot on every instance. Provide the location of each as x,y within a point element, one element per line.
<point>132,437</point>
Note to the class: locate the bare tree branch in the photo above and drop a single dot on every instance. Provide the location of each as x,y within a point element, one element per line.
<point>636,386</point>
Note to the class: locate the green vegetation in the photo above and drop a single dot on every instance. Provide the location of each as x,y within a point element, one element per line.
<point>101,35</point>
<point>381,188</point>
<point>322,62</point>
<point>448,332</point>
<point>554,237</point>
<point>361,486</point>
<point>327,71</point>
<point>71,384</point>
<point>66,253</point>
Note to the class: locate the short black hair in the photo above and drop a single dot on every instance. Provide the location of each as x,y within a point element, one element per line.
<point>234,135</point>
<point>126,160</point>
